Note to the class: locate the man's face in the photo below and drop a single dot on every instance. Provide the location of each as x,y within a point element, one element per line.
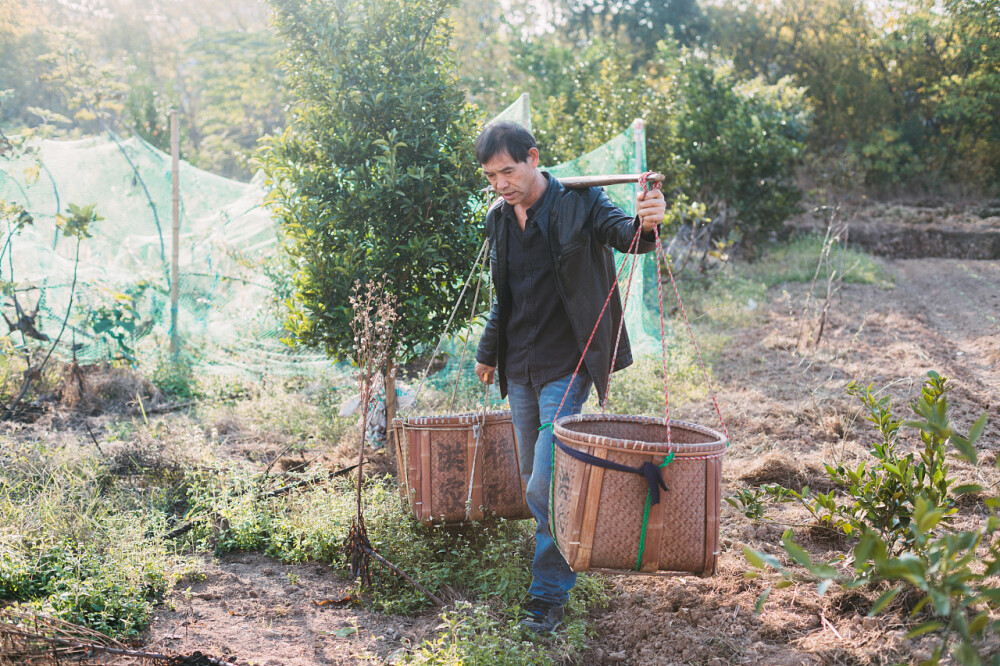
<point>516,182</point>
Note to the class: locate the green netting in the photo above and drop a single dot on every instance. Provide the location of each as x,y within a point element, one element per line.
<point>626,153</point>
<point>231,267</point>
<point>518,112</point>
<point>228,315</point>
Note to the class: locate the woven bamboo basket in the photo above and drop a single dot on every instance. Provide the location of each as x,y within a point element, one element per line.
<point>597,513</point>
<point>437,457</point>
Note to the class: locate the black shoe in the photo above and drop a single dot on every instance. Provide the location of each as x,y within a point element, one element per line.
<point>542,617</point>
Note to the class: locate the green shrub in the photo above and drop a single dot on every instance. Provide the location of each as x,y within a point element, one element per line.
<point>900,510</point>
<point>108,583</point>
<point>743,139</point>
<point>175,376</point>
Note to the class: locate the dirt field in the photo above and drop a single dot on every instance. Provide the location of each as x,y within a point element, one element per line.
<point>787,412</point>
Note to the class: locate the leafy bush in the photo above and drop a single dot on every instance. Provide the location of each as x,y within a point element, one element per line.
<point>75,545</point>
<point>374,176</point>
<point>175,376</point>
<point>900,510</point>
<point>743,139</point>
<point>729,144</point>
<point>108,583</point>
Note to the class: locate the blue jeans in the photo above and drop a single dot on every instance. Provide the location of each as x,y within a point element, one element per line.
<point>530,407</point>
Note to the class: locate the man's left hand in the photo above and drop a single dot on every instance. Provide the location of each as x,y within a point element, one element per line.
<point>651,208</point>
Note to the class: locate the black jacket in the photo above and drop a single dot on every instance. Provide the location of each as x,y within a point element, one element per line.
<point>581,227</point>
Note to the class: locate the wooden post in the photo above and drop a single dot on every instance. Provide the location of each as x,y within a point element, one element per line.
<point>390,405</point>
<point>175,249</point>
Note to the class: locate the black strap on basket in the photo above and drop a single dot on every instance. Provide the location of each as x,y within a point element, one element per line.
<point>647,469</point>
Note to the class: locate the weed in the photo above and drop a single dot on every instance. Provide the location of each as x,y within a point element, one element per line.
<point>796,261</point>
<point>476,635</point>
<point>175,376</point>
<point>490,560</point>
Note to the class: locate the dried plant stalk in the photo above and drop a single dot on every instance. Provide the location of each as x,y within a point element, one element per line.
<point>374,320</point>
<point>373,323</point>
<point>31,638</point>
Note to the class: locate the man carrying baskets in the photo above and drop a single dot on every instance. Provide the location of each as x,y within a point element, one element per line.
<point>552,269</point>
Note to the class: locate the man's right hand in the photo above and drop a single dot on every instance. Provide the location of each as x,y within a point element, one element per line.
<point>485,372</point>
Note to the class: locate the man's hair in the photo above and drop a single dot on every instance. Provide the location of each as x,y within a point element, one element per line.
<point>504,137</point>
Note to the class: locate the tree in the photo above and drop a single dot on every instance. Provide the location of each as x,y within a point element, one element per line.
<point>969,99</point>
<point>374,174</point>
<point>640,23</point>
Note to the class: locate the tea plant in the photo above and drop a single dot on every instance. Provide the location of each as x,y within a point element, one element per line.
<point>900,509</point>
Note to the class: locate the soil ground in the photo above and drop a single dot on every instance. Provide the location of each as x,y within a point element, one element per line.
<point>930,228</point>
<point>787,413</point>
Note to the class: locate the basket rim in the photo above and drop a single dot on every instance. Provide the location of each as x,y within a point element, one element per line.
<point>562,430</point>
<point>464,418</point>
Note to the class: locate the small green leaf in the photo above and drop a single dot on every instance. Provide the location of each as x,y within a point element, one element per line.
<point>760,601</point>
<point>760,560</point>
<point>979,623</point>
<point>795,551</point>
<point>942,602</point>
<point>967,655</point>
<point>925,628</point>
<point>920,606</point>
<point>884,600</point>
<point>977,429</point>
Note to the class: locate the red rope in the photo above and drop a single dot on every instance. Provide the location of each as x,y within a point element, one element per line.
<point>663,331</point>
<point>628,288</point>
<point>661,255</point>
<point>621,324</point>
<point>633,245</point>
<point>701,361</point>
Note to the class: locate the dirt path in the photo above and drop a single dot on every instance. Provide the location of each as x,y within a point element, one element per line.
<point>781,404</point>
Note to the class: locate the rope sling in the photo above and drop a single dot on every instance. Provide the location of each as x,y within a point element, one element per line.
<point>653,473</point>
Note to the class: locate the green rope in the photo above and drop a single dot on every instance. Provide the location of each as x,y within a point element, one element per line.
<point>552,485</point>
<point>552,490</point>
<point>645,515</point>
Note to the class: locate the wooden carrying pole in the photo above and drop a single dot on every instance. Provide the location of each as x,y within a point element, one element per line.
<point>176,226</point>
<point>576,182</point>
<point>579,182</point>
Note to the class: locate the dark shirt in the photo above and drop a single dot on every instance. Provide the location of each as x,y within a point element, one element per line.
<point>541,345</point>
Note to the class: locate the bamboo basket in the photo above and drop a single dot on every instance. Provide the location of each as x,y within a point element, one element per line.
<point>597,513</point>
<point>437,456</point>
